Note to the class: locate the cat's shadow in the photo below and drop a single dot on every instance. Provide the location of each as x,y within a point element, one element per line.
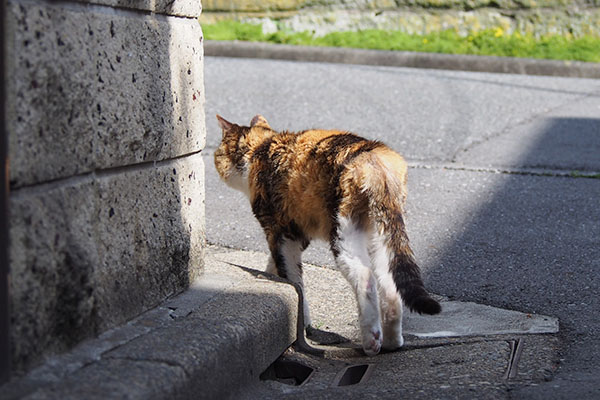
<point>316,336</point>
<point>325,338</point>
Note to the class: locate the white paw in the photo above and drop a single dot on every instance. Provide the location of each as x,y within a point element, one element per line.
<point>392,342</point>
<point>372,342</point>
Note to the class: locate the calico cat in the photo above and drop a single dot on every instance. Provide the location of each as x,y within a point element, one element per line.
<point>346,190</point>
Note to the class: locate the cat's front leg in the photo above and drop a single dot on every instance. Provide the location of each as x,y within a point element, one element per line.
<point>271,268</point>
<point>286,262</point>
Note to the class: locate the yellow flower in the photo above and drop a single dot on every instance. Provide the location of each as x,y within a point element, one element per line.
<point>425,41</point>
<point>499,32</point>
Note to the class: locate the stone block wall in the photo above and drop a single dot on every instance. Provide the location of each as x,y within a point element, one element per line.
<point>105,118</point>
<point>537,17</point>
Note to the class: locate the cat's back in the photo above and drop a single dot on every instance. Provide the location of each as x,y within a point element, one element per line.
<point>315,149</point>
<point>334,150</point>
<point>331,148</point>
<point>342,163</point>
<point>315,159</point>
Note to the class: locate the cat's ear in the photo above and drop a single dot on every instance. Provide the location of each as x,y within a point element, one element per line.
<point>224,124</point>
<point>259,120</point>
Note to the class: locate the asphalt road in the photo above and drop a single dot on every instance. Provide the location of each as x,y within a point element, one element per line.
<point>528,240</point>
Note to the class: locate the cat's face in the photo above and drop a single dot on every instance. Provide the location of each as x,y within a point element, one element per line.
<point>232,157</point>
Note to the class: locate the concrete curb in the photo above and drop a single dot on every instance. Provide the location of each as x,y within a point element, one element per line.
<point>207,343</point>
<point>526,66</point>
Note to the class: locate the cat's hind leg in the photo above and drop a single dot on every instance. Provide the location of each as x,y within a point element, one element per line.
<point>390,300</point>
<point>349,248</point>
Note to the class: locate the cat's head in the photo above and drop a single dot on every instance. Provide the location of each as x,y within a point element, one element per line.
<point>233,155</point>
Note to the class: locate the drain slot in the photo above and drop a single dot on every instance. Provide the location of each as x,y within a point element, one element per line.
<point>516,348</point>
<point>353,375</point>
<point>287,372</point>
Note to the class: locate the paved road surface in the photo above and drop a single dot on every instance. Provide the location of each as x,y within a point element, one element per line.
<point>528,241</point>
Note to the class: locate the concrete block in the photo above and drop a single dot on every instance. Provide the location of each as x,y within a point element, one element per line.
<point>228,343</point>
<point>92,252</point>
<point>118,379</point>
<point>184,8</point>
<point>94,90</point>
<point>52,260</point>
<point>150,233</point>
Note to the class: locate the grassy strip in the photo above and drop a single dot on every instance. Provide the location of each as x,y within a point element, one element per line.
<point>577,174</point>
<point>489,42</point>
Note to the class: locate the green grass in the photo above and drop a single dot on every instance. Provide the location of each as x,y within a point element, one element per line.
<point>489,42</point>
<point>577,174</point>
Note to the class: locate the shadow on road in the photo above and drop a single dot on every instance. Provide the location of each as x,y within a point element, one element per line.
<point>534,246</point>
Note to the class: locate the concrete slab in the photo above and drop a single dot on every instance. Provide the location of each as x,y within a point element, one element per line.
<point>471,319</point>
<point>460,370</point>
<point>118,379</point>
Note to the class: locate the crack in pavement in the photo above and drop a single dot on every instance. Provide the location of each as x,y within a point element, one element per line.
<point>168,363</point>
<point>527,120</point>
<point>509,171</point>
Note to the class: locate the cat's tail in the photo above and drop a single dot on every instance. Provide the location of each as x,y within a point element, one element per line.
<point>384,184</point>
<point>407,277</point>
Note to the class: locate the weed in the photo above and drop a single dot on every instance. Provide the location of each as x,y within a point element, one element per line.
<point>492,42</point>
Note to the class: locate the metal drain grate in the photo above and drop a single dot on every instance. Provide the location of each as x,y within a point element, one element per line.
<point>516,348</point>
<point>353,375</point>
<point>288,372</point>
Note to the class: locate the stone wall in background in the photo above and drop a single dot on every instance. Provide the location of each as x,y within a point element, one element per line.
<point>105,117</point>
<point>539,17</point>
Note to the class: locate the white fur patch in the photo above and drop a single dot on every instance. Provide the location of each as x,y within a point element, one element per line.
<point>292,255</point>
<point>381,257</point>
<point>354,262</point>
<point>390,300</point>
<point>239,181</point>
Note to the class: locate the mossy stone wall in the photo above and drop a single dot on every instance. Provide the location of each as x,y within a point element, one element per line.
<point>538,17</point>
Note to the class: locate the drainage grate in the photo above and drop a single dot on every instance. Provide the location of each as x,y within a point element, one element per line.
<point>516,348</point>
<point>288,372</point>
<point>353,375</point>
